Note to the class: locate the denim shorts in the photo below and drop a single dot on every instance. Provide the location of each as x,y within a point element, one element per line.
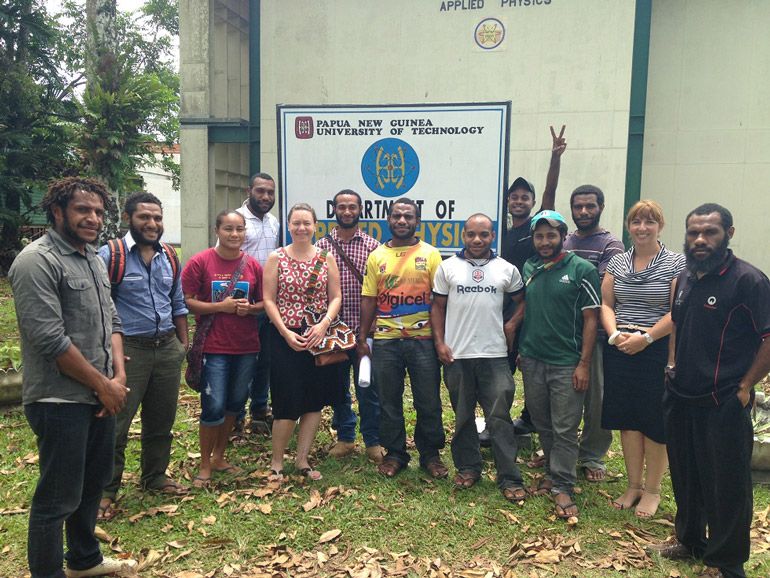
<point>227,379</point>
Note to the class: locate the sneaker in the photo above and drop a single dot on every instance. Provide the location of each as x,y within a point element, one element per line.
<point>342,449</point>
<point>108,567</point>
<point>375,454</point>
<point>522,428</point>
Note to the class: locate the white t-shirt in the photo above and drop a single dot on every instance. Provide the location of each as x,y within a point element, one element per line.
<point>476,291</point>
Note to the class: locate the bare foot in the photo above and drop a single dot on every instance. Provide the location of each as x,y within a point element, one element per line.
<point>648,504</point>
<point>224,467</point>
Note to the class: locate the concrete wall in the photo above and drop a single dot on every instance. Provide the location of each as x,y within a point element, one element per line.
<point>707,134</point>
<point>158,182</point>
<point>561,62</point>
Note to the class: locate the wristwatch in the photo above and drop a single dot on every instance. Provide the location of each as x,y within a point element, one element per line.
<point>648,338</point>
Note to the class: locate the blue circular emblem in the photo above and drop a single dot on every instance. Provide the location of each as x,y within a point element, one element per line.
<point>390,167</point>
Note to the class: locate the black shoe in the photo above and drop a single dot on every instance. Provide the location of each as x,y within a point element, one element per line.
<point>522,428</point>
<point>485,440</point>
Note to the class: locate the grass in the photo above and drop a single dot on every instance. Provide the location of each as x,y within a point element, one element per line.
<point>408,526</point>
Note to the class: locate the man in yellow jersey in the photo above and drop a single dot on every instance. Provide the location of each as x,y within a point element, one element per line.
<point>397,291</point>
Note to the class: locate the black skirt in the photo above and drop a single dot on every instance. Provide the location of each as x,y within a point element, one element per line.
<point>633,390</point>
<point>297,385</point>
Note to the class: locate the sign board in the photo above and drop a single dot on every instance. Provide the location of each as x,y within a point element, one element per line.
<point>451,159</point>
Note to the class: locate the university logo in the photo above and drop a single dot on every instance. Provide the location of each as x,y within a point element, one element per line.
<point>489,33</point>
<point>420,264</point>
<point>390,167</point>
<point>303,127</point>
<point>477,275</point>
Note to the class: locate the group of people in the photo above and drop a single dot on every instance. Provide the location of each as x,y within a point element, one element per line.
<point>662,346</point>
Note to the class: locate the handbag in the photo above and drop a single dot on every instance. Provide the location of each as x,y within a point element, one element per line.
<point>339,337</point>
<point>194,371</point>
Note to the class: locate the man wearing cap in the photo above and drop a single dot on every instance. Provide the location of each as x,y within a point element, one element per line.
<point>517,242</point>
<point>469,290</point>
<point>597,246</point>
<point>719,350</point>
<point>555,349</point>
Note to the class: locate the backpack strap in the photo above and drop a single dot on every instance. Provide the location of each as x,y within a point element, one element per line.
<point>117,262</point>
<point>175,267</point>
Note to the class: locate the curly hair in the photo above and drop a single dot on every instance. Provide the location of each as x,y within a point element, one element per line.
<point>61,191</point>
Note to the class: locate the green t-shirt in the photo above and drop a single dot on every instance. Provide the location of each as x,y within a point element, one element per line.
<point>556,295</point>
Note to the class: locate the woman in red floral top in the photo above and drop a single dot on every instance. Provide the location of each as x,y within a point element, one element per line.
<point>298,388</point>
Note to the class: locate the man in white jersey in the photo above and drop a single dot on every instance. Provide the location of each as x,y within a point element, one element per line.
<point>472,342</point>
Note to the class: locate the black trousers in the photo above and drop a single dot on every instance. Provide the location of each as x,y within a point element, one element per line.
<point>709,450</point>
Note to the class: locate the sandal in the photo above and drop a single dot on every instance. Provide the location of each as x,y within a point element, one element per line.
<point>538,461</point>
<point>515,493</point>
<point>201,483</point>
<point>561,509</point>
<point>465,479</point>
<point>544,487</point>
<point>106,511</point>
<point>275,475</point>
<point>310,474</point>
<point>229,469</point>
<point>390,467</point>
<point>625,505</point>
<point>594,475</point>
<point>640,510</point>
<point>436,468</point>
<point>170,488</point>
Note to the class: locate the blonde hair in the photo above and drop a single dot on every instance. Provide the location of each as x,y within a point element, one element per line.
<point>646,209</point>
<point>302,207</point>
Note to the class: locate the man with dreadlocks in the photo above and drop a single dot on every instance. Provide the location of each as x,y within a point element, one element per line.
<point>74,378</point>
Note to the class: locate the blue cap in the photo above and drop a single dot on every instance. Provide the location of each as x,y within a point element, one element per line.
<point>554,219</point>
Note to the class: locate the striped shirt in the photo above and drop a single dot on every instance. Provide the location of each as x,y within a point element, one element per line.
<point>262,235</point>
<point>597,248</point>
<point>357,250</point>
<point>643,297</point>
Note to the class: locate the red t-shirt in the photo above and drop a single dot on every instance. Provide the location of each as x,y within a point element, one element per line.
<point>207,273</point>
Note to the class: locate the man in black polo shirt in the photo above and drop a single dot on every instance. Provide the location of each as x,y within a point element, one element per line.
<point>721,317</point>
<point>517,242</point>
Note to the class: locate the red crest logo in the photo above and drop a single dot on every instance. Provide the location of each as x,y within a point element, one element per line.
<point>303,127</point>
<point>478,275</point>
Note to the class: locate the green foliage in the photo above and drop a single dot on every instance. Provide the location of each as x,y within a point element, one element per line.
<point>10,355</point>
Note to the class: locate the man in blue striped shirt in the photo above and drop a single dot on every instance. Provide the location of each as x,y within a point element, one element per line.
<point>152,310</point>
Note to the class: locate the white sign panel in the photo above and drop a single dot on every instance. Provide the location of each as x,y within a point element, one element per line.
<point>451,159</point>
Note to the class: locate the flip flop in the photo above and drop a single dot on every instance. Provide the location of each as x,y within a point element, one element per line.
<point>310,474</point>
<point>201,483</point>
<point>231,469</point>
<point>514,494</point>
<point>561,509</point>
<point>465,479</point>
<point>170,488</point>
<point>107,512</point>
<point>594,475</point>
<point>543,488</point>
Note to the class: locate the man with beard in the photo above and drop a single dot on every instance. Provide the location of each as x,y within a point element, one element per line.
<point>74,379</point>
<point>597,246</point>
<point>397,291</point>
<point>351,248</point>
<point>721,316</point>
<point>262,238</point>
<point>556,346</point>
<point>469,291</point>
<point>148,296</point>
<point>517,242</point>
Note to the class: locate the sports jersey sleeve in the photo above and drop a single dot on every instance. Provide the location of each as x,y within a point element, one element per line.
<point>440,283</point>
<point>515,284</point>
<point>369,286</point>
<point>590,292</point>
<point>757,299</point>
<point>434,262</point>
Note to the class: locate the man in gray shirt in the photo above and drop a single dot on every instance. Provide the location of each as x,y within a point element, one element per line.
<point>74,378</point>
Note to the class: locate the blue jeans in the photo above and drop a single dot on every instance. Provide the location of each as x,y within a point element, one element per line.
<point>344,418</point>
<point>488,382</point>
<point>391,359</point>
<point>260,386</point>
<point>227,379</point>
<point>76,455</point>
<point>556,409</point>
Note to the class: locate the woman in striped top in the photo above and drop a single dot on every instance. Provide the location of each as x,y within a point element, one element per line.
<point>636,314</point>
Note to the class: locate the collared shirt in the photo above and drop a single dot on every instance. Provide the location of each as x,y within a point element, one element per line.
<point>62,298</point>
<point>721,320</point>
<point>357,249</point>
<point>262,235</point>
<point>144,297</point>
<point>557,292</point>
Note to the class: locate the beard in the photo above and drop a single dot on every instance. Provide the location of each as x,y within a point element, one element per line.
<point>708,264</point>
<point>140,238</point>
<point>556,251</point>
<point>410,231</point>
<point>591,225</point>
<point>352,224</point>
<point>259,207</point>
